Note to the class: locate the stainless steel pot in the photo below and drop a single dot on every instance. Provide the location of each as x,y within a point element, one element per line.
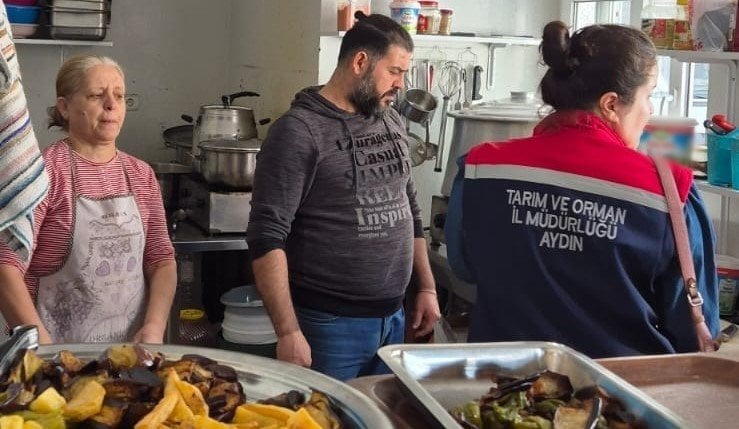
<point>224,122</point>
<point>217,122</point>
<point>229,163</point>
<point>418,106</point>
<point>492,121</point>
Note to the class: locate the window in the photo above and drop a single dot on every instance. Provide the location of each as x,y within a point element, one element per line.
<point>588,12</point>
<point>682,88</point>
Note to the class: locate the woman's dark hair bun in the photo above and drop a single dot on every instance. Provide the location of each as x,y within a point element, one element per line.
<point>555,47</point>
<point>359,15</point>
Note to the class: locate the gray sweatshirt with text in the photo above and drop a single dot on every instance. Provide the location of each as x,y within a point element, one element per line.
<point>334,190</point>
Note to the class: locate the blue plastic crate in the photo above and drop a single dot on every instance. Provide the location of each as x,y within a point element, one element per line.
<point>719,158</point>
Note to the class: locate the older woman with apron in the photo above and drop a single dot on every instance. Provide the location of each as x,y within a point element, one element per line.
<point>102,267</point>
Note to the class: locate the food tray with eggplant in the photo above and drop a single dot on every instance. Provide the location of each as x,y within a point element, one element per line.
<point>158,386</point>
<point>453,382</point>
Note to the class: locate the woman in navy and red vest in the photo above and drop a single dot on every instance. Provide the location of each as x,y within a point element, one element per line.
<point>566,233</point>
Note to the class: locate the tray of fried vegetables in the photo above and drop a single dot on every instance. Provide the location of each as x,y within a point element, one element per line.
<point>101,386</point>
<point>520,385</point>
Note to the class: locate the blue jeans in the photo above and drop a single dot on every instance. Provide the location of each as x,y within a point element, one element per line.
<point>346,347</point>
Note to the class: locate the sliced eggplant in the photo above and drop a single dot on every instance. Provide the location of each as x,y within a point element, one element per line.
<point>551,385</point>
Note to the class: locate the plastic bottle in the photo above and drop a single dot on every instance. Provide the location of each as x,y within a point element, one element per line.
<point>445,25</point>
<point>658,21</point>
<point>682,38</point>
<point>193,326</point>
<point>406,13</point>
<point>345,10</point>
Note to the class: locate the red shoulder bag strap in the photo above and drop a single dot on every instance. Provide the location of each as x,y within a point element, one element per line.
<point>685,256</point>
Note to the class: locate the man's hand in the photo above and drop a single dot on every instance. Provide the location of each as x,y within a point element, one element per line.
<point>294,348</point>
<point>426,313</point>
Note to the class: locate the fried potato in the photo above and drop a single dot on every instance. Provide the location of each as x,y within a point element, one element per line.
<point>87,403</point>
<point>48,401</point>
<point>302,419</point>
<point>11,422</point>
<point>160,413</point>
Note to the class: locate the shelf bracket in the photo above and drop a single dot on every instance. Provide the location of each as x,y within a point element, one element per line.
<point>491,63</point>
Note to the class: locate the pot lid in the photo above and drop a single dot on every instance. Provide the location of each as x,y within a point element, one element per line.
<point>519,107</point>
<point>222,107</point>
<point>242,296</point>
<point>248,145</point>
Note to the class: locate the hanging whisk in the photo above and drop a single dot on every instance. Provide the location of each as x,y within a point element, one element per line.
<point>449,81</point>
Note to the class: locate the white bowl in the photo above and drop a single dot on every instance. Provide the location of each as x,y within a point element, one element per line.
<point>21,31</point>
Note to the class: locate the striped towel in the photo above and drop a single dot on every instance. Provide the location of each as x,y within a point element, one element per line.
<point>23,180</point>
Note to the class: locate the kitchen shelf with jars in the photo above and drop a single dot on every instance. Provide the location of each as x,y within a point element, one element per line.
<point>462,38</point>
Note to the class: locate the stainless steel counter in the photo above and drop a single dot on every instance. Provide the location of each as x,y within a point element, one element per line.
<point>189,238</point>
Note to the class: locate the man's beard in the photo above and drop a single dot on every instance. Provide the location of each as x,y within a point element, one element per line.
<point>365,97</point>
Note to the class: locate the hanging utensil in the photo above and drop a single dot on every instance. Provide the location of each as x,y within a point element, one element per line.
<point>466,104</point>
<point>476,83</point>
<point>458,104</point>
<point>449,80</point>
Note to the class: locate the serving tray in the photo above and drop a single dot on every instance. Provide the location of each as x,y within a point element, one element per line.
<point>442,376</point>
<point>261,378</point>
<point>701,388</point>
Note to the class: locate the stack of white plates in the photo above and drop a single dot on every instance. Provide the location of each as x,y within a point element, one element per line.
<point>245,320</point>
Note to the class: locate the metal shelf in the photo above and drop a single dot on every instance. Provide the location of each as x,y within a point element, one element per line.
<point>714,189</point>
<point>726,194</point>
<point>699,56</point>
<point>493,40</point>
<point>60,42</point>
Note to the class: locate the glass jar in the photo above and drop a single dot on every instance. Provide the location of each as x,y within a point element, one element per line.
<point>429,18</point>
<point>445,26</point>
<point>345,10</point>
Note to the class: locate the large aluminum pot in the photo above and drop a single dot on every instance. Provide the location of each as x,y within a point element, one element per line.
<point>489,121</point>
<point>229,163</point>
<point>217,122</point>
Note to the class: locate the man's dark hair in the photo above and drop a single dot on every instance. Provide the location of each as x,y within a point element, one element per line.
<point>374,34</point>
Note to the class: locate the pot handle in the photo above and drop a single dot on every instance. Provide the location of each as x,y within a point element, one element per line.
<point>187,118</point>
<point>228,99</point>
<point>265,121</point>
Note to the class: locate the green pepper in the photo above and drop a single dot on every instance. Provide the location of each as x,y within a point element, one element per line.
<point>471,413</point>
<point>489,421</point>
<point>46,420</point>
<point>533,422</point>
<point>548,407</point>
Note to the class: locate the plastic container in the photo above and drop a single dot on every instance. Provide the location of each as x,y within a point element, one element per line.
<point>429,18</point>
<point>406,13</point>
<point>345,10</point>
<point>20,2</point>
<point>727,269</point>
<point>21,31</point>
<point>669,136</point>
<point>719,158</point>
<point>245,320</point>
<point>23,14</point>
<point>445,25</point>
<point>682,38</point>
<point>658,22</point>
<point>735,164</point>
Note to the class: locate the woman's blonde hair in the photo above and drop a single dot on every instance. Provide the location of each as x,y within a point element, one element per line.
<point>69,81</point>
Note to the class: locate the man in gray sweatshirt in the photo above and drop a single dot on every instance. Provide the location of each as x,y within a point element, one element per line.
<point>335,230</point>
